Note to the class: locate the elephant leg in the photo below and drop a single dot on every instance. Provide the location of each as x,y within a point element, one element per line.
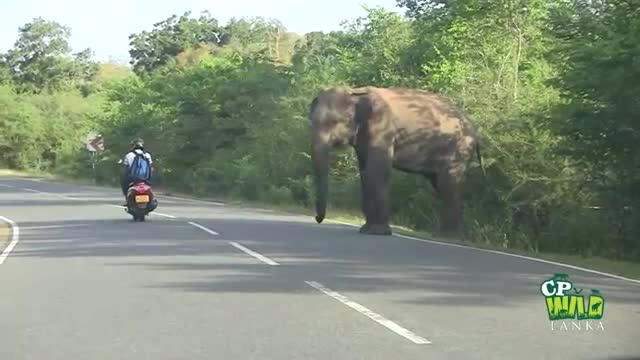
<point>367,205</point>
<point>364,199</point>
<point>450,190</point>
<point>377,180</point>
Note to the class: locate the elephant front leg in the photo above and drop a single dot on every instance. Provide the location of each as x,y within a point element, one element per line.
<point>450,190</point>
<point>375,184</point>
<point>365,200</point>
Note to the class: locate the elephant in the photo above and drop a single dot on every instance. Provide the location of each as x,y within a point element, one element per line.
<point>411,130</point>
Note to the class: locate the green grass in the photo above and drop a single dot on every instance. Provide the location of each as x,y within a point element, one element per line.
<point>621,268</point>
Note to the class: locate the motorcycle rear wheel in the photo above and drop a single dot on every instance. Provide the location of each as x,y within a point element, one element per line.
<point>138,217</point>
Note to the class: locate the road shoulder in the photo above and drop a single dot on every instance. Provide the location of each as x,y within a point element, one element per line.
<point>14,232</point>
<point>5,234</point>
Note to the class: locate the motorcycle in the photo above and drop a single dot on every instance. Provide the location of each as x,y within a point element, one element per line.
<point>140,200</point>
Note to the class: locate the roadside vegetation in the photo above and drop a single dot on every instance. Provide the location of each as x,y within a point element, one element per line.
<point>552,86</point>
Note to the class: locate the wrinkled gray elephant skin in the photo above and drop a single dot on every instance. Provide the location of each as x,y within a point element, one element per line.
<point>413,131</point>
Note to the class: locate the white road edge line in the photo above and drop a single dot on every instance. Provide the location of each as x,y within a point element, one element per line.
<point>192,200</point>
<point>15,234</point>
<point>370,314</point>
<point>52,194</point>
<point>101,188</point>
<point>205,229</point>
<point>164,215</point>
<point>152,213</point>
<point>505,253</point>
<point>83,199</point>
<point>260,257</point>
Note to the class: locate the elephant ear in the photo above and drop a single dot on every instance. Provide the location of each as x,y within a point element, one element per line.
<point>312,106</point>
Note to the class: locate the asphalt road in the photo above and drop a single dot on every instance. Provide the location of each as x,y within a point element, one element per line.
<point>209,281</point>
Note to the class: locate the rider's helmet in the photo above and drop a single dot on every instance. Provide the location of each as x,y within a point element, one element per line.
<point>137,144</point>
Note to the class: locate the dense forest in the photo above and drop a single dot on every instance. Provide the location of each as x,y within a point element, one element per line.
<point>552,86</point>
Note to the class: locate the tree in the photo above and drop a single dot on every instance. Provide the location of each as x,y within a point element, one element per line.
<point>5,72</point>
<point>268,38</point>
<point>170,37</point>
<point>374,48</point>
<point>419,8</point>
<point>599,121</point>
<point>42,58</point>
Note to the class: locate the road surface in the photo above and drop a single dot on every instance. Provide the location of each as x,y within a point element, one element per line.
<point>209,281</point>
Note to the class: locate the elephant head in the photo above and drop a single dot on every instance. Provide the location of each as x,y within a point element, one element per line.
<point>333,124</point>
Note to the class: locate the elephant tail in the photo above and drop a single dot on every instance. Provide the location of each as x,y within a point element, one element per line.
<point>484,172</point>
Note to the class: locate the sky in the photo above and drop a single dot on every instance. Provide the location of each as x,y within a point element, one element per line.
<point>105,26</point>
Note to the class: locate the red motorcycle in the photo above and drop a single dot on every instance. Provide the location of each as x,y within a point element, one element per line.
<point>140,200</point>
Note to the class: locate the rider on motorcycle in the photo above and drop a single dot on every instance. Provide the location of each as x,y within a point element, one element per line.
<point>137,148</point>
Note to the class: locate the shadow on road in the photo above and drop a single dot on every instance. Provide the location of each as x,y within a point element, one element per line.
<point>334,255</point>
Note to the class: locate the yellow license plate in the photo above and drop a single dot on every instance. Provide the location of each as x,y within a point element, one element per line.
<point>142,198</point>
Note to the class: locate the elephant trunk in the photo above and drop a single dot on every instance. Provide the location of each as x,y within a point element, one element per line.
<point>321,168</point>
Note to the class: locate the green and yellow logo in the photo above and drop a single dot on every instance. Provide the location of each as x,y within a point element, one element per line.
<point>566,302</point>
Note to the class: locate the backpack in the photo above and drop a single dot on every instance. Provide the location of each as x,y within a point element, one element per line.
<point>140,168</point>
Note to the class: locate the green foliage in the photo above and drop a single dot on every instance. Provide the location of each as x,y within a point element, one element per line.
<point>258,36</point>
<point>153,49</point>
<point>205,124</point>
<point>42,60</point>
<point>374,49</point>
<point>551,85</point>
<point>42,131</point>
<point>599,119</point>
<point>5,72</point>
<point>175,35</point>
